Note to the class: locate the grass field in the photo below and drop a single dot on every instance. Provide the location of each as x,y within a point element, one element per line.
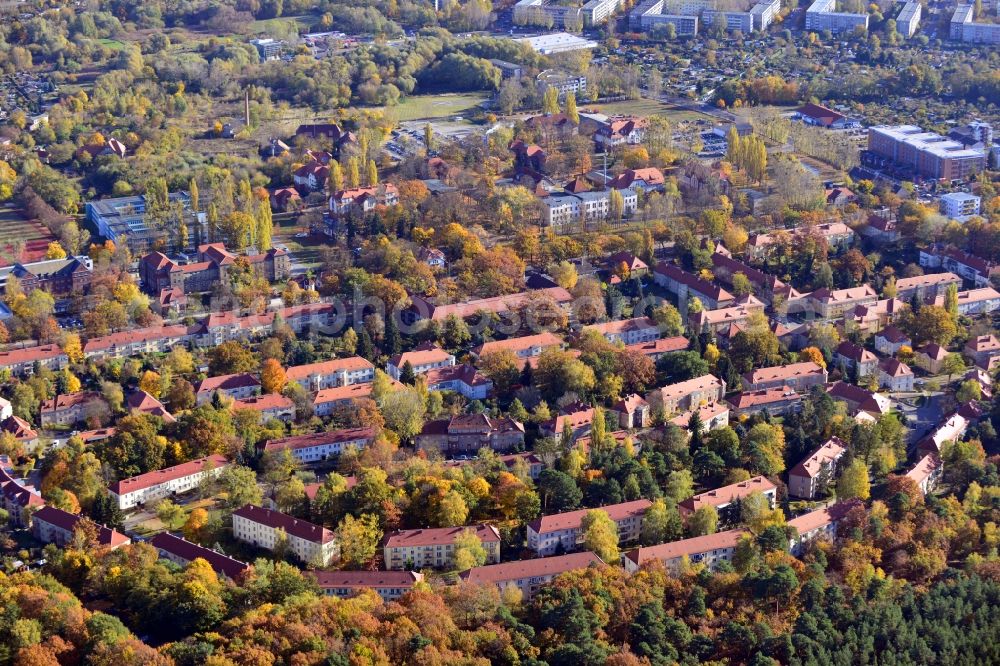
<point>420,107</point>
<point>112,44</point>
<point>16,230</point>
<point>646,107</point>
<point>274,26</point>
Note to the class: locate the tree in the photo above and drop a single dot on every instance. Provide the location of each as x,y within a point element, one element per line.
<point>813,354</point>
<point>668,318</point>
<point>741,284</point>
<point>358,539</point>
<point>705,520</point>
<point>452,510</point>
<point>931,324</point>
<point>502,368</point>
<point>616,205</point>
<point>969,390</point>
<point>229,358</point>
<point>661,523</point>
<point>335,181</point>
<point>681,366</point>
<point>679,486</point>
<point>240,485</point>
<point>854,481</point>
<point>558,491</point>
<point>195,524</point>
<point>265,227</point>
<point>468,551</point>
<point>428,137</point>
<point>404,412</point>
<point>151,383</point>
<point>953,364</point>
<point>600,535</point>
<point>272,377</point>
<point>550,101</point>
<point>571,111</point>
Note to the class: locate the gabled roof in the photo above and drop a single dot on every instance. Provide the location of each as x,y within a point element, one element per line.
<point>665,552</point>
<point>296,527</point>
<point>727,494</point>
<point>572,519</point>
<point>536,568</point>
<point>319,439</point>
<point>150,479</point>
<point>184,549</point>
<point>831,451</point>
<point>226,383</point>
<point>439,536</point>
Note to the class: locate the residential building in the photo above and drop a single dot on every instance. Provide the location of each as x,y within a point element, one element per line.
<point>576,416</point>
<point>463,379</point>
<point>562,81</point>
<point>927,473</point>
<point>724,319</point>
<point>713,416</point>
<point>182,552</point>
<point>969,267</point>
<point>908,19</point>
<point>977,301</point>
<point>627,331</point>
<point>21,362</point>
<point>272,406</point>
<point>777,401</point>
<point>687,394</point>
<point>596,12</point>
<point>895,375</point>
<point>964,28</point>
<point>364,199</point>
<point>336,372</point>
<point>124,220</point>
<point>983,350</point>
<point>837,235</point>
<point>766,286</point>
<point>832,303</point>
<point>859,400</point>
<point>150,340</point>
<point>930,357</point>
<point>725,500</point>
<point>798,376</point>
<point>525,347</point>
<point>321,446</point>
<point>17,497</point>
<point>268,49</point>
<point>710,550</point>
<point>328,400</point>
<point>854,356</point>
<point>168,482</point>
<point>467,433</point>
<point>67,409</point>
<point>890,340</point>
<point>62,278</point>
<point>687,286</point>
<point>237,387</point>
<point>564,211</point>
<point>951,429</point>
<point>633,412</point>
<point>551,534</point>
<point>423,359</point>
<point>21,430</point>
<point>389,585</point>
<point>534,463</point>
<point>52,525</point>
<point>408,550</point>
<point>926,286</point>
<point>158,272</point>
<point>631,131</point>
<point>817,470</point>
<point>925,153</point>
<point>960,205</point>
<point>138,401</point>
<point>266,528</point>
<point>528,576</point>
<point>504,307</point>
<point>820,524</point>
<point>658,348</point>
<point>822,16</point>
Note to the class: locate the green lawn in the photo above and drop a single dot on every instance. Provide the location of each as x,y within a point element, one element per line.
<point>304,22</point>
<point>420,107</point>
<point>645,107</point>
<point>112,43</point>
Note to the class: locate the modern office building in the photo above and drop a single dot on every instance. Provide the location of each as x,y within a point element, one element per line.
<point>126,219</point>
<point>928,154</point>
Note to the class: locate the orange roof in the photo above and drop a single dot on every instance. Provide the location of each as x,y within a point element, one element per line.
<point>537,568</point>
<point>439,536</point>
<point>726,494</point>
<point>151,479</point>
<point>665,552</point>
<point>350,364</point>
<point>569,520</point>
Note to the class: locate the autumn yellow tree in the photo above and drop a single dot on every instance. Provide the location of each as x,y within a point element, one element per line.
<point>150,382</point>
<point>72,347</point>
<point>195,524</point>
<point>600,535</point>
<point>272,377</point>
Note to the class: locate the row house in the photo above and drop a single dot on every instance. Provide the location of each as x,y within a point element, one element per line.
<point>799,376</point>
<point>21,362</point>
<point>927,472</point>
<point>896,376</point>
<point>463,379</point>
<point>817,525</point>
<point>688,286</point>
<point>495,306</point>
<point>709,550</point>
<point>551,534</point>
<point>890,340</point>
<point>660,347</point>
<point>182,552</point>
<point>983,350</point>
<point>984,300</point>
<point>627,331</point>
<point>327,401</point>
<point>268,529</point>
<point>874,317</point>
<point>269,407</point>
<point>150,340</point>
<point>168,482</point>
<point>718,320</point>
<point>52,525</point>
<point>969,267</point>
<point>926,287</point>
<point>406,550</point>
<point>779,401</point>
<point>832,303</point>
<point>856,357</point>
<point>817,469</point>
<point>221,327</point>
<point>467,433</point>
<point>713,416</point>
<point>320,446</point>
<point>422,359</point>
<point>389,585</point>
<point>837,235</point>
<point>687,394</point>
<point>364,199</point>
<point>336,372</point>
<point>67,409</point>
<point>237,386</point>
<point>766,286</point>
<point>529,576</point>
<point>17,498</point>
<point>524,347</point>
<point>726,500</point>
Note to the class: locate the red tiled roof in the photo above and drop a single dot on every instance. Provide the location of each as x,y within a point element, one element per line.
<point>419,357</point>
<point>783,372</point>
<point>319,439</point>
<point>822,517</point>
<point>572,519</point>
<point>226,383</point>
<point>296,527</point>
<point>831,450</point>
<point>765,397</point>
<point>151,479</point>
<point>661,346</point>
<point>182,548</point>
<point>68,401</point>
<point>693,282</point>
<point>363,580</point>
<point>621,326</point>
<point>727,494</point>
<point>669,551</point>
<point>537,568</point>
<point>439,536</point>
<point>265,402</point>
<point>820,114</point>
<point>29,354</point>
<point>350,364</point>
<point>67,521</point>
<point>924,468</point>
<point>546,339</point>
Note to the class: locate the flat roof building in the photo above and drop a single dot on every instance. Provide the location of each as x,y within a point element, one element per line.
<point>925,153</point>
<point>821,16</point>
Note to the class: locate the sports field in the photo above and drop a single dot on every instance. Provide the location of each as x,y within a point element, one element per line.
<point>645,107</point>
<point>420,107</point>
<point>15,230</point>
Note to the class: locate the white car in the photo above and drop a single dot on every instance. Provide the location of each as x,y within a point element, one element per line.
<point>302,234</point>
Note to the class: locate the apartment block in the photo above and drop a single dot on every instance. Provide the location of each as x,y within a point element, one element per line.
<point>434,548</point>
<point>67,409</point>
<point>805,478</point>
<point>168,482</point>
<point>960,205</point>
<point>627,331</point>
<point>964,28</point>
<point>925,153</point>
<point>927,472</point>
<point>318,447</point>
<point>709,550</point>
<point>820,524</point>
<point>529,576</point>
<point>52,525</point>
<point>687,286</point>
<point>908,19</point>
<point>315,377</point>
<point>262,528</point>
<point>548,534</point>
<point>389,585</point>
<point>182,552</point>
<point>561,211</point>
<point>421,360</point>
<point>687,394</point>
<point>725,500</point>
<point>821,15</point>
<point>799,376</point>
<point>238,387</point>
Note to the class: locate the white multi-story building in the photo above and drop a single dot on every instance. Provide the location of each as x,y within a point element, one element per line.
<point>52,525</point>
<point>819,524</point>
<point>559,210</point>
<point>821,16</point>
<point>804,478</point>
<point>710,550</point>
<point>421,360</point>
<point>434,548</point>
<point>960,205</point>
<point>390,585</point>
<point>262,527</point>
<point>548,533</point>
<point>965,29</point>
<point>529,575</point>
<point>909,18</point>
<point>320,446</point>
<point>181,551</point>
<point>315,377</point>
<point>627,331</point>
<point>168,482</point>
